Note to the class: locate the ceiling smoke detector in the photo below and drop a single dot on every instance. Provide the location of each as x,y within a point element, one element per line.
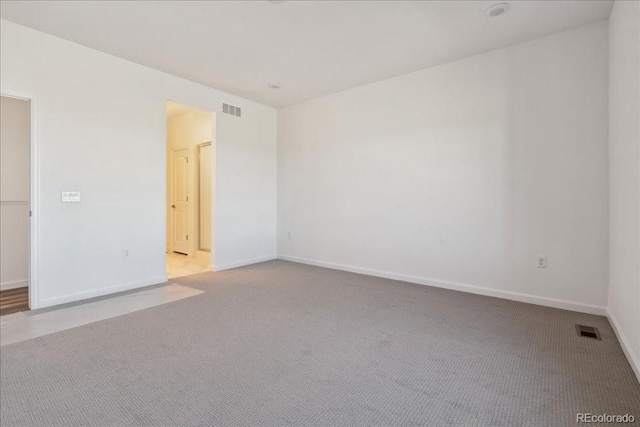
<point>274,85</point>
<point>497,10</point>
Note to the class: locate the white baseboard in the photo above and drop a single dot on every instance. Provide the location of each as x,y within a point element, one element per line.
<point>497,293</point>
<point>634,359</point>
<point>242,263</point>
<point>49,302</point>
<point>13,285</point>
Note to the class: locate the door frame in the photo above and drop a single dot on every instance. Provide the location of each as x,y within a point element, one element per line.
<point>214,171</point>
<point>34,200</point>
<point>198,200</point>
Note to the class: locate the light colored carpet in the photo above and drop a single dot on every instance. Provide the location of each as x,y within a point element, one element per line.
<point>279,343</point>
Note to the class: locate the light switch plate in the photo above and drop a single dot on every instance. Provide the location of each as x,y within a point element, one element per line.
<point>70,196</point>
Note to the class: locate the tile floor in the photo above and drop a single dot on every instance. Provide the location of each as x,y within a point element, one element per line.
<point>22,326</point>
<point>183,265</point>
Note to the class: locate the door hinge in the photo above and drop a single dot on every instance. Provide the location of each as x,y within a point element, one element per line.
<point>187,237</point>
<point>30,213</point>
<point>187,198</point>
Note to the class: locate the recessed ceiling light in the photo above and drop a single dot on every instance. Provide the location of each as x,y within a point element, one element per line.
<point>274,85</point>
<point>497,10</point>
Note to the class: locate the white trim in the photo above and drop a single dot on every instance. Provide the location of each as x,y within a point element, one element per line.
<point>34,199</point>
<point>197,177</point>
<point>49,302</point>
<point>497,293</point>
<point>242,263</point>
<point>13,202</point>
<point>634,359</point>
<point>14,284</point>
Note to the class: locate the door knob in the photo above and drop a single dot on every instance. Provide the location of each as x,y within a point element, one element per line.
<point>173,206</point>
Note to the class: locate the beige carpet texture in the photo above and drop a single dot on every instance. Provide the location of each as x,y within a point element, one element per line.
<point>279,343</point>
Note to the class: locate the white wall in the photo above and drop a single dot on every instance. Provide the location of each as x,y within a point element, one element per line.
<point>102,131</point>
<point>14,193</point>
<point>459,175</point>
<point>245,184</point>
<point>624,176</point>
<point>187,131</point>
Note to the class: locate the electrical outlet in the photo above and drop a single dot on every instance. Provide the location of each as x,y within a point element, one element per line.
<point>125,253</point>
<point>541,261</point>
<point>70,196</point>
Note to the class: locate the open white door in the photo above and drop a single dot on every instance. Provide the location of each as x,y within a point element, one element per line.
<point>180,202</point>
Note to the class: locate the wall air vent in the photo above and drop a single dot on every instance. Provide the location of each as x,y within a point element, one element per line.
<point>588,332</point>
<point>232,110</point>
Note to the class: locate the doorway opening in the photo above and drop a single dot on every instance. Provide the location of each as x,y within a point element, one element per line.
<point>15,203</point>
<point>190,190</point>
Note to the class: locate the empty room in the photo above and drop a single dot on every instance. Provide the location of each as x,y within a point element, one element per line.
<point>320,213</point>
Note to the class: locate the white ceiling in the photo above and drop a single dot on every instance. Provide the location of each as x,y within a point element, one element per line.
<point>312,48</point>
